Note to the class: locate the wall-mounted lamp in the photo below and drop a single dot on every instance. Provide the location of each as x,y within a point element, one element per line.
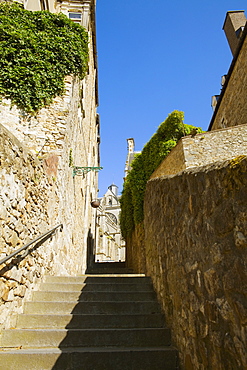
<point>80,171</point>
<point>95,203</point>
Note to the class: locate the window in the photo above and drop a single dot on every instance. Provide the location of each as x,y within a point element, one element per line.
<point>112,217</point>
<point>75,17</point>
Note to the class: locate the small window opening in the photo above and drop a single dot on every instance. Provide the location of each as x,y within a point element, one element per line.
<point>75,17</point>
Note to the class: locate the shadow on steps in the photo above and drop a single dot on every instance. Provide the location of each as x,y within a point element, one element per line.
<point>122,330</point>
<point>108,268</point>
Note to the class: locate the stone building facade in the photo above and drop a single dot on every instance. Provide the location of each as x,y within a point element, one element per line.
<point>48,172</point>
<point>110,246</point>
<point>130,155</point>
<point>36,5</point>
<point>231,105</point>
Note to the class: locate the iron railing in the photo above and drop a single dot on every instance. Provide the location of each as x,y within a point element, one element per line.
<point>40,238</point>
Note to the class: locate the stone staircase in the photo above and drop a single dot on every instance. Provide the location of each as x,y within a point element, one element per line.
<point>90,322</point>
<point>99,268</point>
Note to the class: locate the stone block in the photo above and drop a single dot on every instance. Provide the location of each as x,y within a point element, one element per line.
<point>16,274</point>
<point>5,293</point>
<point>3,212</point>
<point>20,291</point>
<point>13,240</point>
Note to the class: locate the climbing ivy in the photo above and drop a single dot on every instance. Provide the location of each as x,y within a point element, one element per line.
<point>144,164</point>
<point>38,49</point>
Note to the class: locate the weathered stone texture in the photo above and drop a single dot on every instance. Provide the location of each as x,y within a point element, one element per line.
<point>232,109</point>
<point>62,137</point>
<point>27,197</point>
<point>38,189</point>
<point>135,250</point>
<point>196,253</point>
<point>65,134</point>
<point>203,149</point>
<point>174,162</point>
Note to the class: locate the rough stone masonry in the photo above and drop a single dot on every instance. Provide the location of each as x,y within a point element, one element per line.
<point>28,198</point>
<point>196,252</point>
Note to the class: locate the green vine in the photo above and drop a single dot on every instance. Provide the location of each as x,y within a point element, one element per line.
<point>38,49</point>
<point>153,153</point>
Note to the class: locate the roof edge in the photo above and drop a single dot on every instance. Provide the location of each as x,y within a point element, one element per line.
<point>228,76</point>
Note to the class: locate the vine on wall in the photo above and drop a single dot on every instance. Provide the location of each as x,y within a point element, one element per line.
<point>38,49</point>
<point>153,153</point>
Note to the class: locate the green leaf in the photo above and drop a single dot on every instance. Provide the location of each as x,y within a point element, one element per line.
<point>38,49</point>
<point>142,167</point>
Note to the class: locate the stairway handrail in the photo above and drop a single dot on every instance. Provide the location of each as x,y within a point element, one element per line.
<point>46,234</point>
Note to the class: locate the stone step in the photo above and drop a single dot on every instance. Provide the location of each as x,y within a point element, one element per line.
<point>110,271</point>
<point>97,279</point>
<point>92,359</point>
<point>142,307</point>
<point>74,287</point>
<point>82,296</point>
<point>90,321</point>
<point>96,322</point>
<point>32,338</point>
<point>110,265</point>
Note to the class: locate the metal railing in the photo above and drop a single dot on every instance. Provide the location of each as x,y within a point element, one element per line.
<point>44,236</point>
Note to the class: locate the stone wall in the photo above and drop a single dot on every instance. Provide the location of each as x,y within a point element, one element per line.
<point>203,149</point>
<point>135,250</point>
<point>65,135</point>
<point>28,208</point>
<point>196,253</point>
<point>69,130</point>
<point>232,108</point>
<point>37,174</point>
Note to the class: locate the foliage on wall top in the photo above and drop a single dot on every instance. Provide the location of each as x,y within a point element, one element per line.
<point>38,49</point>
<point>158,147</point>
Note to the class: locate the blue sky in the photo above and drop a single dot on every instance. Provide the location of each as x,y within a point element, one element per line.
<point>155,56</point>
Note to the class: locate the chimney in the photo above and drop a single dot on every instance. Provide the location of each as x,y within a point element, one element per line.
<point>233,28</point>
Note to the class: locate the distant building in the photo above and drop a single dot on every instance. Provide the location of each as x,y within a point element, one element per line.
<point>130,156</point>
<point>110,246</point>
